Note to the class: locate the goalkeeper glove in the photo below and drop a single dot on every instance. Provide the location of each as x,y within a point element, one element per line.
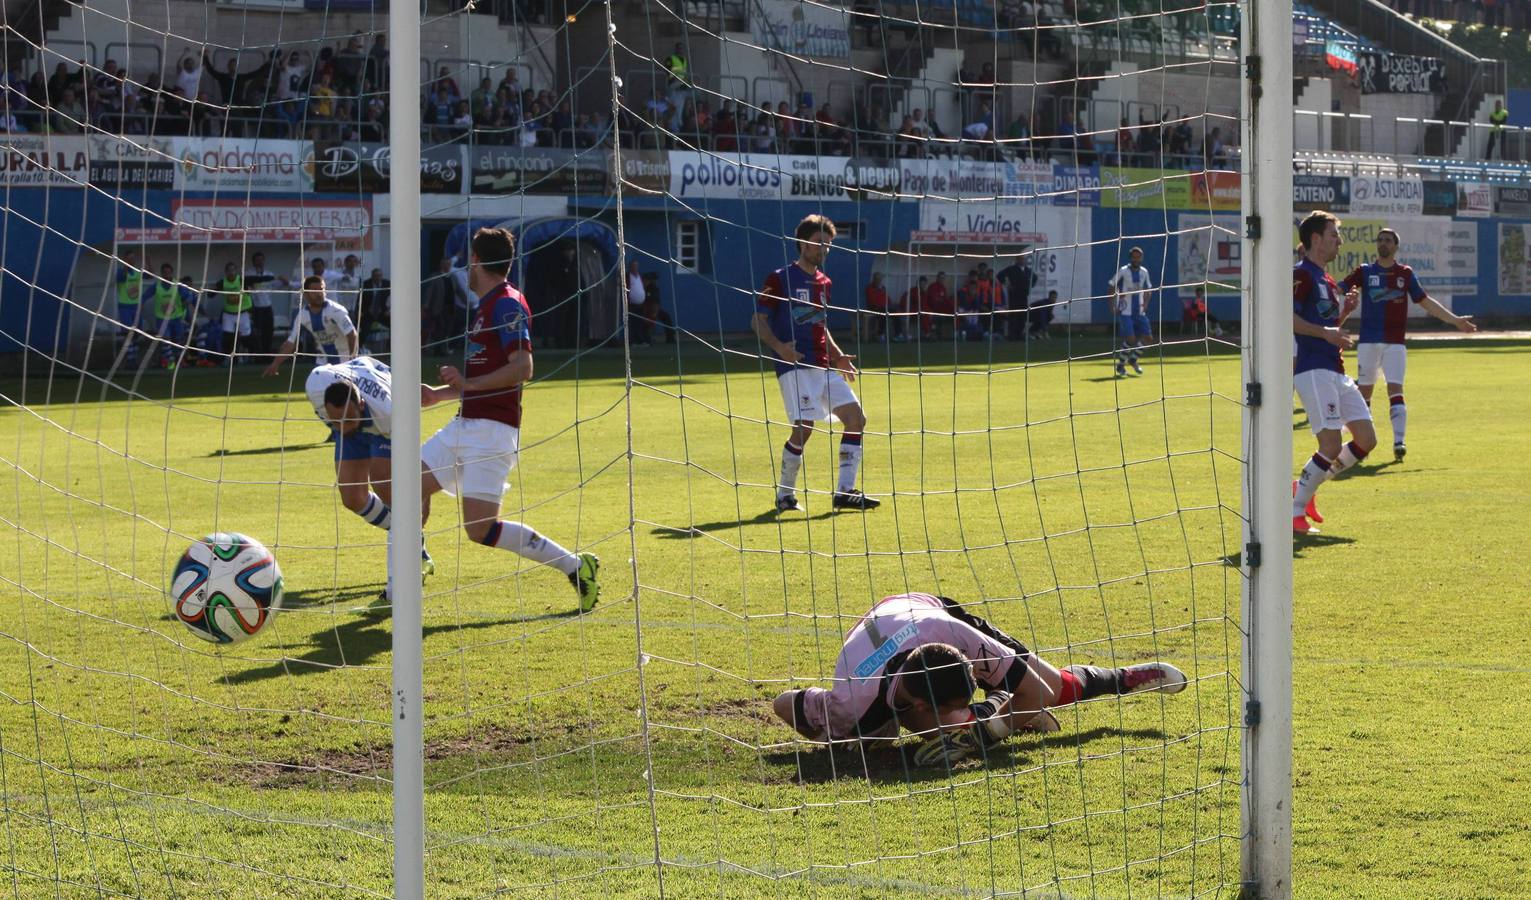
<point>988,728</point>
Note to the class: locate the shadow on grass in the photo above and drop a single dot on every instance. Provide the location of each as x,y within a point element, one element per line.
<point>894,763</point>
<point>764,518</point>
<point>1301,542</point>
<point>262,451</point>
<point>356,642</point>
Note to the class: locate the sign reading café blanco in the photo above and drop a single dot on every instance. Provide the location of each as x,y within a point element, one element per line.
<point>768,176</point>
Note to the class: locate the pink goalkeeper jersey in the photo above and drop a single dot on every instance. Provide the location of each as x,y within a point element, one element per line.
<point>860,704</point>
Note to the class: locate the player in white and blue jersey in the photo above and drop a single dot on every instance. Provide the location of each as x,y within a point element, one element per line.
<point>326,320</point>
<point>1130,287</point>
<point>355,399</point>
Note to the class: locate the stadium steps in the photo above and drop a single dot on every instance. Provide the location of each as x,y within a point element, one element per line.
<point>1468,77</point>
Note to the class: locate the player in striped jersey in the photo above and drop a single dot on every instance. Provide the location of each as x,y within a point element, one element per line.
<point>1318,373</point>
<point>814,374</point>
<point>355,399</point>
<point>1386,288</point>
<point>914,662</point>
<point>323,318</point>
<point>1130,287</point>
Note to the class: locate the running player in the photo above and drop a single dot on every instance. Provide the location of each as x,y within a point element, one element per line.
<point>812,370</point>
<point>1130,287</point>
<point>323,318</point>
<point>914,663</point>
<point>1386,287</point>
<point>472,455</point>
<point>1329,396</point>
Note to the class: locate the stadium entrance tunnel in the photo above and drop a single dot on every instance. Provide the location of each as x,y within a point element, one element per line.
<point>571,298</point>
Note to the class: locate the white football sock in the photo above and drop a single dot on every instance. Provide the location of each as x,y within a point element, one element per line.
<point>1315,473</point>
<point>1399,414</point>
<point>376,512</point>
<point>791,462</point>
<point>1350,454</point>
<point>524,541</point>
<point>850,462</point>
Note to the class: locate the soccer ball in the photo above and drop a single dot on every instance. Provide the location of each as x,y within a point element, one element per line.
<point>226,587</point>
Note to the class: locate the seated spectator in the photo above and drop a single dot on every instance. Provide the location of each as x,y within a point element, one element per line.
<point>188,76</point>
<point>911,144</point>
<point>534,128</point>
<point>909,305</point>
<point>377,60</point>
<point>68,115</point>
<point>1125,143</point>
<point>1039,316</point>
<point>1194,314</point>
<point>1180,146</point>
<point>321,99</point>
<point>688,128</point>
<point>347,127</point>
<point>479,100</point>
<point>939,308</point>
<point>462,121</point>
<point>653,312</point>
<point>725,129</point>
<point>1019,137</point>
<point>764,133</point>
<point>56,85</point>
<point>8,123</point>
<point>207,117</point>
<point>874,315</point>
<point>172,116</point>
<point>969,309</point>
<point>511,83</point>
<point>438,115</point>
<point>1068,139</point>
<point>1148,143</point>
<point>561,121</point>
<point>657,109</point>
<point>350,62</point>
<point>293,83</point>
<point>493,130</point>
<point>445,82</point>
<point>374,128</point>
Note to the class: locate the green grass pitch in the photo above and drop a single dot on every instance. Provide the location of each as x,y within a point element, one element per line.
<point>1095,517</point>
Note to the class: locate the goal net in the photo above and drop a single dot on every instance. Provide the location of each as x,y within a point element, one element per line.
<point>1035,277</point>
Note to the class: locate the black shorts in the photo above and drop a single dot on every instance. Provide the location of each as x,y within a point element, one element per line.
<point>1018,670</point>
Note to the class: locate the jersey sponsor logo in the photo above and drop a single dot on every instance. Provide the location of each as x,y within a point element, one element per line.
<point>809,314</point>
<point>1374,281</point>
<point>1327,308</point>
<point>879,657</point>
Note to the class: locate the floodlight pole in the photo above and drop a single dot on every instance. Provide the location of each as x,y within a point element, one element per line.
<point>405,539</point>
<point>1266,559</point>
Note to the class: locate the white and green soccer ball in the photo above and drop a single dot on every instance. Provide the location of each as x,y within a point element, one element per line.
<point>226,588</point>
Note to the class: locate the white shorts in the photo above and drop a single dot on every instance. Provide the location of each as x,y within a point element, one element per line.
<point>472,457</point>
<point>810,395</point>
<point>239,320</point>
<point>1331,399</point>
<point>1389,359</point>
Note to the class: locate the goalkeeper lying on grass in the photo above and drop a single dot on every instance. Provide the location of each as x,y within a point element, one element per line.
<point>914,662</point>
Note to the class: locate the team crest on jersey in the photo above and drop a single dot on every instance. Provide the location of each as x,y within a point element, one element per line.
<point>1400,282</point>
